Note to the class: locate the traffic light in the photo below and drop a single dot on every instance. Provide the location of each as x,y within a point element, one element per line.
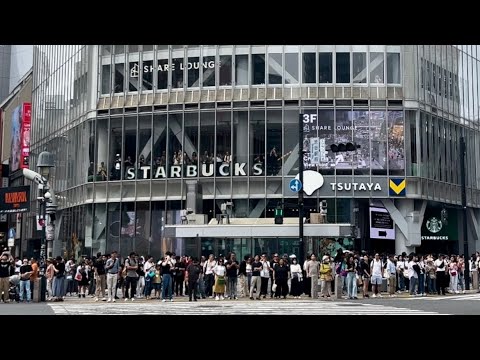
<point>344,147</point>
<point>279,215</point>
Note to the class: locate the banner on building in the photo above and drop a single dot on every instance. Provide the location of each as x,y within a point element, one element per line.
<point>20,146</point>
<point>14,199</point>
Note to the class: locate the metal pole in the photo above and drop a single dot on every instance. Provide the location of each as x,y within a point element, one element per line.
<point>301,255</point>
<point>463,148</point>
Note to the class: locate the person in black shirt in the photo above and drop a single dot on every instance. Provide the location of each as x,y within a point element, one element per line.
<point>59,281</point>
<point>280,274</point>
<point>6,270</point>
<point>194,270</point>
<point>101,277</point>
<point>166,268</point>
<point>232,267</point>
<point>256,279</point>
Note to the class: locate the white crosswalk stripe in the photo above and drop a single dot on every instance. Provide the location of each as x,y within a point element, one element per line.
<point>461,297</point>
<point>234,308</point>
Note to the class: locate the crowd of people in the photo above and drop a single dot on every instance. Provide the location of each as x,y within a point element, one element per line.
<point>106,277</point>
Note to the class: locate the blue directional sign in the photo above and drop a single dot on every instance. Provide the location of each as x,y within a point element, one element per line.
<point>295,185</point>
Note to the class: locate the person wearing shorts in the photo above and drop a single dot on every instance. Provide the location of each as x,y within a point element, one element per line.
<point>376,269</point>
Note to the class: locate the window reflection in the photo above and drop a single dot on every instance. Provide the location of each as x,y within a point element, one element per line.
<point>119,78</point>
<point>241,69</point>
<point>177,73</point>
<point>106,79</point>
<point>258,69</point>
<point>147,75</point>
<point>275,68</point>
<point>208,67</point>
<point>393,69</point>
<point>325,67</point>
<point>193,71</point>
<point>291,68</point>
<point>376,68</point>
<point>359,68</point>
<point>225,70</point>
<point>309,68</point>
<point>343,67</point>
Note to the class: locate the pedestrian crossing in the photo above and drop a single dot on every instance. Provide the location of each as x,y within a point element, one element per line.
<point>460,297</point>
<point>290,307</point>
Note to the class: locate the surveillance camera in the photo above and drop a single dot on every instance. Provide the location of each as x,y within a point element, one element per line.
<point>34,176</point>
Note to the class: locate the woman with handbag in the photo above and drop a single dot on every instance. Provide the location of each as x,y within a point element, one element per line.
<point>82,278</point>
<point>219,288</point>
<point>326,277</point>
<point>351,278</point>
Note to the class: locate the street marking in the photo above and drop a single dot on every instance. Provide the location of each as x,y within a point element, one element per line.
<point>235,308</point>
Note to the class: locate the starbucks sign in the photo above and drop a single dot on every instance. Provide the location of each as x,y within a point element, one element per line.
<point>434,225</point>
<point>434,229</point>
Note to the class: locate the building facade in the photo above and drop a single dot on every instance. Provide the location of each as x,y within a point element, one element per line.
<point>141,133</point>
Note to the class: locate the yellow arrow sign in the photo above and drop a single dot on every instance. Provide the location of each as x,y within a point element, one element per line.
<point>397,188</point>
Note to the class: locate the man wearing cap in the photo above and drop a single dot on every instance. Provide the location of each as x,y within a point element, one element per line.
<point>312,269</point>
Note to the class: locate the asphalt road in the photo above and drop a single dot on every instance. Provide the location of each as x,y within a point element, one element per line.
<point>467,304</point>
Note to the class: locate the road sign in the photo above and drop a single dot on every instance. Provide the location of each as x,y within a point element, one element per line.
<point>295,185</point>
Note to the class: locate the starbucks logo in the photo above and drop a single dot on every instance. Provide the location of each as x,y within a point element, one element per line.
<point>434,225</point>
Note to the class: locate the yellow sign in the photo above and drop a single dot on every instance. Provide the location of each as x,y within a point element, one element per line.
<point>397,187</point>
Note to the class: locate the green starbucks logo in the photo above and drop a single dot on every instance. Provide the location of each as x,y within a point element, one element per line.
<point>434,225</point>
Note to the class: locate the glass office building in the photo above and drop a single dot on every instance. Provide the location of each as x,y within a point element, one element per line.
<point>143,132</point>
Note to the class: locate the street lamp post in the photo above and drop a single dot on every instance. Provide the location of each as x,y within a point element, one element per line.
<point>45,199</point>
<point>45,163</point>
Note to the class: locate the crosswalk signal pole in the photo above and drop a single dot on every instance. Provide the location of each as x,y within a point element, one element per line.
<point>301,254</point>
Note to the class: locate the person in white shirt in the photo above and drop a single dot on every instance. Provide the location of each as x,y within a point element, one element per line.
<point>392,276</point>
<point>376,272</point>
<point>209,276</point>
<point>219,288</point>
<point>297,279</point>
<point>412,274</point>
<point>401,277</point>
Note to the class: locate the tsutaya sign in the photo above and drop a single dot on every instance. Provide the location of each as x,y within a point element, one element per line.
<point>206,170</point>
<point>135,69</point>
<point>313,180</point>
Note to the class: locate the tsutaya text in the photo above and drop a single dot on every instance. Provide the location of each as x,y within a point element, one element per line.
<point>175,171</point>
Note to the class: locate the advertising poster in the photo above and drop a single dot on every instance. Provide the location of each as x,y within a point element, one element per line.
<point>25,135</point>
<point>381,224</point>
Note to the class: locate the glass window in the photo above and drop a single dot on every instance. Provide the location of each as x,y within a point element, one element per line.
<point>190,144</point>
<point>224,138</point>
<point>376,68</point>
<point>291,68</point>
<point>115,158</point>
<point>361,138</point>
<point>209,71</point>
<point>290,141</point>
<point>207,143</point>
<point>130,147</point>
<point>174,143</point>
<point>177,73</point>
<point>106,79</point>
<point>359,68</point>
<point>102,159</point>
<point>193,71</point>
<point>326,137</point>
<point>274,142</point>
<point>147,75</point>
<point>119,78</point>
<point>309,68</point>
<point>378,145</point>
<point>393,68</point>
<point>132,48</point>
<point>147,47</point>
<point>106,50</point>
<point>275,68</point>
<point>162,71</point>
<point>241,69</point>
<point>396,145</point>
<point>144,159</point>
<point>343,135</point>
<point>119,49</point>
<point>113,231</point>
<point>225,70</point>
<point>159,141</point>
<point>99,241</point>
<point>134,75</point>
<point>257,143</point>
<point>240,138</point>
<point>258,69</point>
<point>343,67</point>
<point>325,68</point>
